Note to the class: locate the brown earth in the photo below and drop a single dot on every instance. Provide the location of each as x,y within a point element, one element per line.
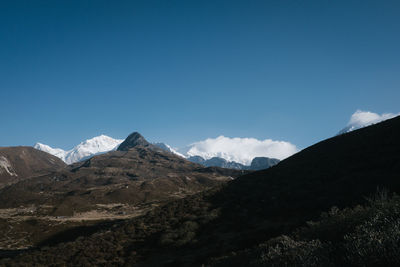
<point>19,163</point>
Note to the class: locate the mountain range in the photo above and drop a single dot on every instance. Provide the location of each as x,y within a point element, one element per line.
<point>102,144</point>
<point>270,217</point>
<point>258,163</point>
<point>211,152</point>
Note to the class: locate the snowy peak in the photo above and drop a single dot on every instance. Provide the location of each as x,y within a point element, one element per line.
<point>91,147</point>
<point>97,145</point>
<point>58,152</point>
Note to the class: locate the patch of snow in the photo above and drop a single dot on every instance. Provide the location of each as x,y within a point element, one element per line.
<point>5,165</point>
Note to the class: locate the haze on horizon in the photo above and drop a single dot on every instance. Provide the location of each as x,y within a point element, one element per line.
<point>181,72</point>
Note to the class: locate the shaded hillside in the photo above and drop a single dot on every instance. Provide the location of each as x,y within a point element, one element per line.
<point>248,211</point>
<point>367,235</point>
<point>18,163</point>
<point>338,171</point>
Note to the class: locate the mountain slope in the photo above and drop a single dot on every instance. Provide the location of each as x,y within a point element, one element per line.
<point>18,163</point>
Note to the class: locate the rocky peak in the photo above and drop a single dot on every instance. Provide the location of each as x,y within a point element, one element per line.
<point>133,140</point>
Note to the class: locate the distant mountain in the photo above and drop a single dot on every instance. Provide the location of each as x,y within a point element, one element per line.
<point>97,145</point>
<point>258,163</point>
<point>18,163</point>
<point>217,162</point>
<point>102,144</point>
<point>261,163</point>
<point>168,148</point>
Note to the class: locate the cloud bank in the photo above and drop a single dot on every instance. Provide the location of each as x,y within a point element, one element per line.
<point>362,119</point>
<point>241,150</point>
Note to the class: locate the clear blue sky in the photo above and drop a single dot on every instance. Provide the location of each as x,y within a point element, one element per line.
<point>182,71</point>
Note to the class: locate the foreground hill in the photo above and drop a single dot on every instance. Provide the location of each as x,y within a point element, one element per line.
<point>214,226</point>
<point>19,163</point>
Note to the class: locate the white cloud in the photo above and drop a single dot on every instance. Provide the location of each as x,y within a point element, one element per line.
<point>241,150</point>
<point>362,119</point>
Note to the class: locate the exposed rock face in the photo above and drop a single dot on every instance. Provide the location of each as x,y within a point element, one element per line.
<point>133,140</point>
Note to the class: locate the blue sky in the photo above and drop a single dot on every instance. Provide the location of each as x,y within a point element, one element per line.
<point>182,71</point>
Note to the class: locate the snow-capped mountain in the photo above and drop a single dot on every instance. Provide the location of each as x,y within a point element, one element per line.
<point>58,152</point>
<point>361,119</point>
<point>97,145</point>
